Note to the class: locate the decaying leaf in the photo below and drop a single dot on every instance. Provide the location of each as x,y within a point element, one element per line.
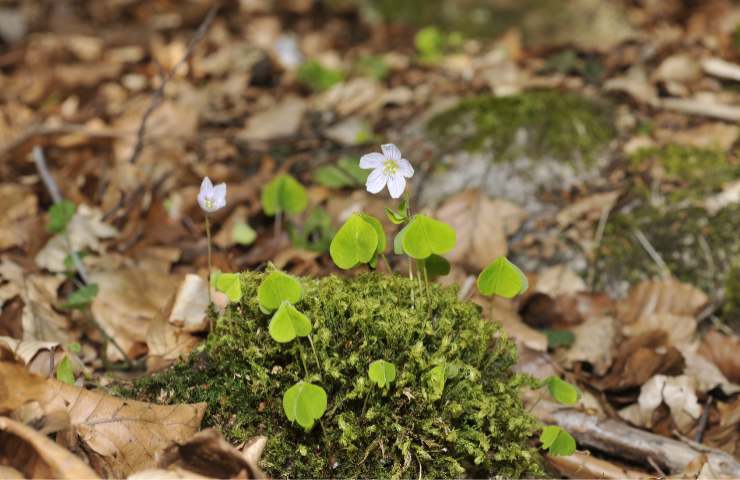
<point>39,357</point>
<point>666,295</point>
<point>167,343</point>
<point>724,351</point>
<point>678,393</point>
<point>33,455</point>
<point>15,219</point>
<point>482,226</point>
<point>595,340</point>
<point>189,310</point>
<point>583,465</point>
<point>282,120</point>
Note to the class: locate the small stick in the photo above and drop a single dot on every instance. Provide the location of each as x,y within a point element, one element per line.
<point>598,237</point>
<point>158,95</point>
<point>703,421</point>
<point>315,355</point>
<point>654,255</point>
<point>656,467</point>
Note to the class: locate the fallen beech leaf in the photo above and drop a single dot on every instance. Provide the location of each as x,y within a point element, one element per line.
<point>39,357</point>
<point>594,343</point>
<point>503,311</point>
<point>34,455</point>
<point>207,453</point>
<point>678,393</point>
<point>20,205</point>
<point>665,295</point>
<point>167,343</point>
<point>680,329</point>
<point>723,351</point>
<point>121,436</point>
<point>482,226</point>
<point>705,373</point>
<point>584,465</point>
<point>18,386</point>
<point>282,120</point>
<point>588,208</point>
<point>191,302</point>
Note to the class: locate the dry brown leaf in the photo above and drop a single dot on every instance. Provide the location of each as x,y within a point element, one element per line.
<point>706,374</point>
<point>681,329</point>
<point>282,120</point>
<point>594,343</point>
<point>166,344</point>
<point>588,208</point>
<point>39,357</point>
<point>482,226</point>
<point>208,454</point>
<point>707,135</point>
<point>17,386</point>
<point>34,455</point>
<point>665,295</point>
<point>503,311</point>
<point>723,351</point>
<point>20,204</point>
<point>678,393</point>
<point>121,436</point>
<point>191,301</point>
<point>729,195</point>
<point>584,465</point>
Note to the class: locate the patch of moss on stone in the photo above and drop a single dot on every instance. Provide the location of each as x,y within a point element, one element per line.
<point>667,188</point>
<point>478,428</point>
<point>557,124</point>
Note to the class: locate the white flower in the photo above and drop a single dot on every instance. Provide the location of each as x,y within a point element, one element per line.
<point>211,198</point>
<point>388,169</point>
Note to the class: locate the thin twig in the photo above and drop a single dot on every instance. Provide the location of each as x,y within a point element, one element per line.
<point>654,255</point>
<point>158,95</point>
<point>595,244</point>
<point>703,421</point>
<point>656,467</point>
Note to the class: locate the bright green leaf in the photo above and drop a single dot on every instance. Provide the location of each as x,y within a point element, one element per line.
<point>74,347</point>
<point>382,372</point>
<point>502,278</point>
<point>318,77</point>
<point>288,323</point>
<point>398,241</point>
<point>559,338</point>
<point>284,194</point>
<point>355,242</point>
<point>304,403</point>
<point>436,265</point>
<point>425,236</point>
<point>346,173</point>
<point>230,284</point>
<point>60,215</point>
<point>82,297</point>
<point>430,42</point>
<point>562,391</point>
<point>65,372</point>
<point>276,288</point>
<point>378,227</point>
<point>557,441</point>
<point>395,217</point>
<point>436,381</point>
<point>243,234</point>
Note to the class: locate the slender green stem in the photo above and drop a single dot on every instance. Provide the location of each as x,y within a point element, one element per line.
<point>278,224</point>
<point>210,269</point>
<point>411,277</point>
<point>310,340</point>
<point>423,266</point>
<point>385,261</point>
<point>303,360</point>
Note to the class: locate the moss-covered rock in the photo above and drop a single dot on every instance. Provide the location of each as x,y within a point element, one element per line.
<point>666,202</point>
<point>476,428</point>
<point>539,123</point>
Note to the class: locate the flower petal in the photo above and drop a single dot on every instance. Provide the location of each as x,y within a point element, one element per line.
<point>404,166</point>
<point>376,181</point>
<point>391,151</point>
<point>206,186</point>
<point>202,201</point>
<point>219,195</point>
<point>372,160</point>
<point>396,185</point>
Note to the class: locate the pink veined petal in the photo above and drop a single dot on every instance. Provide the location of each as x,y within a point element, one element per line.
<point>372,160</point>
<point>206,186</point>
<point>219,195</point>
<point>391,151</point>
<point>376,181</point>
<point>396,185</point>
<point>404,166</point>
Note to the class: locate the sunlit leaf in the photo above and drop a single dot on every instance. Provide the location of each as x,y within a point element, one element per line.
<point>65,372</point>
<point>276,288</point>
<point>356,242</point>
<point>230,284</point>
<point>502,278</point>
<point>304,403</point>
<point>425,236</point>
<point>562,391</point>
<point>60,215</point>
<point>288,323</point>
<point>243,234</point>
<point>284,194</point>
<point>557,441</point>
<point>382,372</point>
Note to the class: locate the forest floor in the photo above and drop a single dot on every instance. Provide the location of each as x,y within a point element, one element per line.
<point>595,144</point>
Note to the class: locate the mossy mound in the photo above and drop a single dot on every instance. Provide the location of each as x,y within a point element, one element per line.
<point>554,123</point>
<point>477,427</point>
<point>666,201</point>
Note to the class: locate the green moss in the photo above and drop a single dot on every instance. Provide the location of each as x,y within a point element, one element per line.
<point>731,310</point>
<point>477,428</point>
<point>557,124</point>
<point>666,191</point>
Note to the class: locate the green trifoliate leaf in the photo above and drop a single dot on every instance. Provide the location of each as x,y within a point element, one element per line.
<point>243,234</point>
<point>378,227</point>
<point>355,242</point>
<point>74,347</point>
<point>425,236</point>
<point>230,284</point>
<point>437,266</point>
<point>346,173</point>
<point>82,297</point>
<point>557,441</point>
<point>284,194</point>
<point>276,288</point>
<point>60,215</point>
<point>304,403</point>
<point>288,323</point>
<point>436,382</point>
<point>395,217</point>
<point>502,278</point>
<point>562,391</point>
<point>382,372</point>
<point>559,338</point>
<point>65,372</point>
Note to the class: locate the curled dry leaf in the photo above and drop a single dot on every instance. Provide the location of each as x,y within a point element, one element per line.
<point>191,301</point>
<point>33,455</point>
<point>584,465</point>
<point>594,344</point>
<point>723,351</point>
<point>39,357</point>
<point>665,295</point>
<point>482,226</point>
<point>678,393</point>
<point>680,329</point>
<point>167,343</point>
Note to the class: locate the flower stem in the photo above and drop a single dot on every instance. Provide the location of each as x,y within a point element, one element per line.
<point>303,360</point>
<point>385,261</point>
<point>210,268</point>
<point>411,278</point>
<point>278,224</point>
<point>310,340</point>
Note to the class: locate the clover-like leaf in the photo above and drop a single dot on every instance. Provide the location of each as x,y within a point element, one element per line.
<point>355,242</point>
<point>60,215</point>
<point>562,391</point>
<point>382,372</point>
<point>436,381</point>
<point>425,236</point>
<point>378,227</point>
<point>65,371</point>
<point>276,288</point>
<point>229,284</point>
<point>284,194</point>
<point>502,278</point>
<point>436,265</point>
<point>288,323</point>
<point>82,297</point>
<point>243,234</point>
<point>557,441</point>
<point>304,403</point>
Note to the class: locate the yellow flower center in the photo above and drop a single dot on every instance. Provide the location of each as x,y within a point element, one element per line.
<point>390,167</point>
<point>209,203</point>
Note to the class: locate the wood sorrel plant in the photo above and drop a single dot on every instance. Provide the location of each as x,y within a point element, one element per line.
<point>211,199</point>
